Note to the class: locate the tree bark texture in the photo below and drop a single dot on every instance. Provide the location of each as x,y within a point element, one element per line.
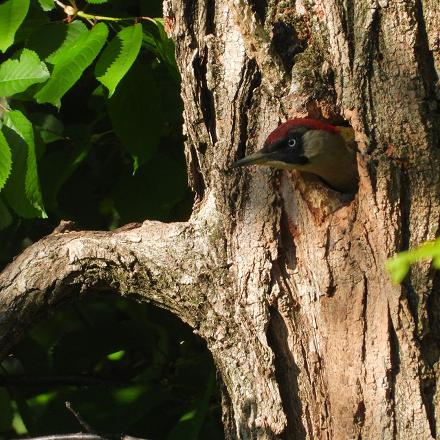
<point>283,277</point>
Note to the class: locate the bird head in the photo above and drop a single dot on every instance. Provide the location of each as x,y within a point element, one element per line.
<point>311,146</point>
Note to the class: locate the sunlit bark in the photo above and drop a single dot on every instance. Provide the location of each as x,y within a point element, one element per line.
<point>283,277</point>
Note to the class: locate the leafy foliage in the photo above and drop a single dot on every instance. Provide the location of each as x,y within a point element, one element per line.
<point>70,65</point>
<point>85,100</point>
<point>96,2</point>
<point>47,5</point>
<point>400,265</point>
<point>65,40</point>
<point>5,161</point>
<point>140,366</point>
<point>12,14</point>
<point>137,67</point>
<point>139,110</point>
<point>22,190</point>
<point>119,56</point>
<point>17,75</point>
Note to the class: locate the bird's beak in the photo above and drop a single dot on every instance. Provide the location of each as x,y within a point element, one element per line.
<point>257,158</point>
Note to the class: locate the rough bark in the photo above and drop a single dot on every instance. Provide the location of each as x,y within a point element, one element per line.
<point>283,277</point>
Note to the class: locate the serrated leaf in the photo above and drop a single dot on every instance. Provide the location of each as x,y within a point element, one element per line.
<point>17,75</point>
<point>12,14</point>
<point>119,56</point>
<point>47,5</point>
<point>71,64</point>
<point>73,32</point>
<point>5,160</point>
<point>96,2</point>
<point>22,190</point>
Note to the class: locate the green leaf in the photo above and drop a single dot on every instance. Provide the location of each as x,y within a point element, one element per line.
<point>12,14</point>
<point>398,268</point>
<point>71,64</point>
<point>96,2</point>
<point>59,164</point>
<point>159,43</point>
<point>17,75</point>
<point>116,356</point>
<point>47,5</point>
<point>119,56</point>
<point>72,33</point>
<point>48,39</point>
<point>22,189</point>
<point>162,194</point>
<point>6,411</point>
<point>5,215</point>
<point>164,43</point>
<point>399,265</point>
<point>5,160</point>
<point>35,22</point>
<point>49,127</point>
<point>136,112</point>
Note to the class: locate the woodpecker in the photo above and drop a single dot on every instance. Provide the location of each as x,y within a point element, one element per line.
<point>312,146</point>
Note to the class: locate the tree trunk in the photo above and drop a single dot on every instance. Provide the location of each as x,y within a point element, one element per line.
<point>283,277</point>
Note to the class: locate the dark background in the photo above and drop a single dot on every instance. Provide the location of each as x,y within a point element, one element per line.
<point>124,367</point>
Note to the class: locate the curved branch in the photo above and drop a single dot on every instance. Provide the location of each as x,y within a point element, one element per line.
<point>171,265</point>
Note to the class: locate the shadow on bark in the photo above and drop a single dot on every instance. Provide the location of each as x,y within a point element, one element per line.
<point>286,372</point>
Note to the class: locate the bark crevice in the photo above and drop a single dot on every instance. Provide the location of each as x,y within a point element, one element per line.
<point>286,372</point>
<point>392,373</point>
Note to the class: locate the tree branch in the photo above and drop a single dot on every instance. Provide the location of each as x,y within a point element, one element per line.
<point>171,265</point>
<point>79,418</point>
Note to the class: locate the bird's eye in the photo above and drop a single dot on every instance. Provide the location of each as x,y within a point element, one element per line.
<point>291,142</point>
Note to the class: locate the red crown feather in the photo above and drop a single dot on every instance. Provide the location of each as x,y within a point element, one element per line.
<point>282,130</point>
